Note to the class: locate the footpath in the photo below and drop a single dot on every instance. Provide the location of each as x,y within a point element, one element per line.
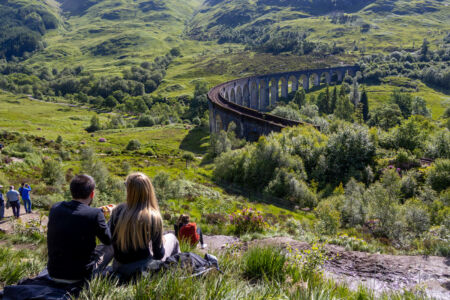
<point>379,272</point>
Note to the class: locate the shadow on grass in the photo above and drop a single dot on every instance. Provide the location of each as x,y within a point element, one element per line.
<point>196,141</point>
<point>255,196</point>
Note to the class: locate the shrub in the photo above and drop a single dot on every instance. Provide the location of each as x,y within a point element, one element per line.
<point>247,220</point>
<point>52,172</point>
<point>415,217</point>
<point>348,153</point>
<point>267,263</point>
<point>133,145</point>
<point>146,121</point>
<point>308,261</point>
<point>439,175</point>
<point>330,218</point>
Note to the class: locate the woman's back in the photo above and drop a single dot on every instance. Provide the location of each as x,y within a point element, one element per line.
<point>130,254</point>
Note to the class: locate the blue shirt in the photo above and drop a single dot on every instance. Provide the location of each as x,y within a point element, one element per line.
<point>25,192</point>
<point>12,196</point>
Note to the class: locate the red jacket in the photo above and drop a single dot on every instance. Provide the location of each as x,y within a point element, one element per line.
<point>189,232</point>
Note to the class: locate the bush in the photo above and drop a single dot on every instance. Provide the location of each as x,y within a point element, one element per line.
<point>247,221</point>
<point>266,263</point>
<point>133,145</point>
<point>146,121</point>
<point>439,175</point>
<point>348,152</point>
<point>329,216</point>
<point>52,172</point>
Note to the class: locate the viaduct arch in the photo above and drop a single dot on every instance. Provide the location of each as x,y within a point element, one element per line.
<point>246,101</point>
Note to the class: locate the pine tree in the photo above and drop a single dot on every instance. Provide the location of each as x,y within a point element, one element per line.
<point>424,49</point>
<point>359,118</point>
<point>322,103</point>
<point>365,103</point>
<point>344,109</point>
<point>328,99</point>
<point>300,98</point>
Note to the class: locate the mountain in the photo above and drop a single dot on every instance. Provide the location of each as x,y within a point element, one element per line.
<point>373,24</point>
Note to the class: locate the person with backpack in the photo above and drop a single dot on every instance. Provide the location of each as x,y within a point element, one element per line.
<point>137,229</point>
<point>24,191</point>
<point>12,197</point>
<point>188,231</point>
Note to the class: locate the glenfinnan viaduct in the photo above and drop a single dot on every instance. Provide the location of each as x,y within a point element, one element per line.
<point>245,101</point>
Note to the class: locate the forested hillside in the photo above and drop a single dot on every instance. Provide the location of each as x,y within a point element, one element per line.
<point>321,26</point>
<point>23,23</point>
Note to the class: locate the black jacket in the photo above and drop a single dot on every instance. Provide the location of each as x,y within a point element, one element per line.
<point>71,239</point>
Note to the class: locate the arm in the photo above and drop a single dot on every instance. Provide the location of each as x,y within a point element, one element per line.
<point>102,230</point>
<point>157,244</point>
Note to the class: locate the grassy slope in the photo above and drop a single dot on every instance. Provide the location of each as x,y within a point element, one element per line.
<point>167,142</point>
<point>394,23</point>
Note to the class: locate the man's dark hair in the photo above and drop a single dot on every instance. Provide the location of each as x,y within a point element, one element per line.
<point>82,186</point>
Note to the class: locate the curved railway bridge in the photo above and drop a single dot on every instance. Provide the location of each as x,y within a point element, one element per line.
<point>246,101</point>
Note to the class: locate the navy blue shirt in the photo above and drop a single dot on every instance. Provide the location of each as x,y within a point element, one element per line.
<point>71,239</point>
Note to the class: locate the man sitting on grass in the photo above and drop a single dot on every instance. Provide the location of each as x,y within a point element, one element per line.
<point>72,230</point>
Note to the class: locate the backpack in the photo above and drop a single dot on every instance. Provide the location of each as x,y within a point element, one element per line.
<point>189,233</point>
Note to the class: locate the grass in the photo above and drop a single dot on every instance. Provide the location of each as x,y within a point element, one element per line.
<point>265,263</point>
<point>378,95</point>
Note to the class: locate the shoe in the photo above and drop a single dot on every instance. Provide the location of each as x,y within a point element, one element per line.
<point>203,246</point>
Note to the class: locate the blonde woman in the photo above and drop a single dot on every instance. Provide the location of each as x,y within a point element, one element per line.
<point>137,228</point>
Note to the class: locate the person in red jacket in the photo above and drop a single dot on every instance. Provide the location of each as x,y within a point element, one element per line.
<point>186,230</point>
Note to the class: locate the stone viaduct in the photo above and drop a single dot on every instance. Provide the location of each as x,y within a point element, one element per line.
<point>246,101</point>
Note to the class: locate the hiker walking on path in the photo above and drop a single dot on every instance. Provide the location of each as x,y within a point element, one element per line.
<point>2,204</point>
<point>13,199</point>
<point>24,191</point>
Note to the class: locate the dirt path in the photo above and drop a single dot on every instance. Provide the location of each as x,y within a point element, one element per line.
<point>6,224</point>
<point>379,272</point>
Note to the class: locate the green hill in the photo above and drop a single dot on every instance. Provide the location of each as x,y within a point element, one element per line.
<point>371,25</point>
<point>218,40</point>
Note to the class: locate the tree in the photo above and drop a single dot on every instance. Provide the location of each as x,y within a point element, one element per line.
<point>419,107</point>
<point>386,116</point>
<point>300,98</point>
<point>95,124</point>
<point>344,109</point>
<point>365,105</point>
<point>348,152</point>
<point>52,172</point>
<point>110,102</point>
<point>359,117</point>
<point>333,101</point>
<point>355,96</point>
<point>424,49</point>
<point>188,157</point>
<point>322,103</point>
<point>404,102</point>
<point>201,88</point>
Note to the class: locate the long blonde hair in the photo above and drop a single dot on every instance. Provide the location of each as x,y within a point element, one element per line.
<point>141,218</point>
